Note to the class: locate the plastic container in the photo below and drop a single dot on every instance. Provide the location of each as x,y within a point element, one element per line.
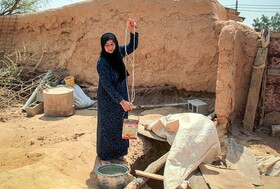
<point>130,129</point>
<point>112,176</point>
<point>69,81</point>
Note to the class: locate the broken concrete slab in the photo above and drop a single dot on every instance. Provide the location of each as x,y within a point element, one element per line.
<point>224,178</point>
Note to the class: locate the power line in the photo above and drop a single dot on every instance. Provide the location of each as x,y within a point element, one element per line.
<point>255,8</point>
<point>256,11</point>
<point>260,5</point>
<point>259,8</point>
<point>254,5</point>
<point>263,8</point>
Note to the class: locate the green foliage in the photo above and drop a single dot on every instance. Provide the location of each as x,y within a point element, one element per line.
<point>272,23</point>
<point>8,7</point>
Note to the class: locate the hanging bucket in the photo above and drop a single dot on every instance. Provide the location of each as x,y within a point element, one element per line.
<point>112,176</point>
<point>69,81</point>
<point>130,129</point>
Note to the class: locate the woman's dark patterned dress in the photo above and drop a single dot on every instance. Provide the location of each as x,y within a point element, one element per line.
<point>111,91</point>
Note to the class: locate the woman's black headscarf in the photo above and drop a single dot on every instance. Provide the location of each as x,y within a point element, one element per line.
<point>115,58</point>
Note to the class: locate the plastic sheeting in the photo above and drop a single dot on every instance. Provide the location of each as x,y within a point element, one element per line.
<point>269,165</point>
<point>195,141</point>
<point>81,100</point>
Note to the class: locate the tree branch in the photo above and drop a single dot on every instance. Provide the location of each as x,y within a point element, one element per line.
<point>14,7</point>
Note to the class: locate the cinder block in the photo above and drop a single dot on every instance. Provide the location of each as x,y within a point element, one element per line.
<point>275,130</point>
<point>198,106</point>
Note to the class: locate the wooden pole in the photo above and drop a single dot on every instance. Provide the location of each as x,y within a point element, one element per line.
<point>152,168</point>
<point>149,175</point>
<point>161,105</point>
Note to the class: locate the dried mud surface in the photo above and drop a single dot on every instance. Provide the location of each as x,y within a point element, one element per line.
<point>60,152</point>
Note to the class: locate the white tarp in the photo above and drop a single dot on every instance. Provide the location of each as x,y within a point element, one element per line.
<point>196,141</point>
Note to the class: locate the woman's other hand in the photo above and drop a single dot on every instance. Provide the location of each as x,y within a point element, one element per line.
<point>126,105</point>
<point>131,25</point>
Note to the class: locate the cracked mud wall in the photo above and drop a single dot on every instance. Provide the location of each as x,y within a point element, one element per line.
<point>237,49</point>
<point>188,44</point>
<point>178,42</point>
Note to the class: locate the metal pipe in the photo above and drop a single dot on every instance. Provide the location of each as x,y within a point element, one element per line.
<point>33,96</point>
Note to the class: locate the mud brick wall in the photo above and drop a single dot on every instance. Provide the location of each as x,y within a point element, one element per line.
<point>272,90</point>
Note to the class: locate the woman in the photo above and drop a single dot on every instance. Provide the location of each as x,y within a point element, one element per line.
<point>112,96</point>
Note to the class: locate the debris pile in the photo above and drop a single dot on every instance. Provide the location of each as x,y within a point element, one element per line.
<point>16,82</point>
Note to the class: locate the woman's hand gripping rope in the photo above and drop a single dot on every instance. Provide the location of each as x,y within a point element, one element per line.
<point>131,24</point>
<point>126,105</point>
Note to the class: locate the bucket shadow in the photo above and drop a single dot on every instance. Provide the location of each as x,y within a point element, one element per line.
<point>92,181</point>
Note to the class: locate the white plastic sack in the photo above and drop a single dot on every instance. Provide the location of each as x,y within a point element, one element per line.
<point>196,141</point>
<point>81,100</point>
<point>166,127</point>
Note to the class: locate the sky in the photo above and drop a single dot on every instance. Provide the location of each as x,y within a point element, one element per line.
<point>58,3</point>
<point>250,9</point>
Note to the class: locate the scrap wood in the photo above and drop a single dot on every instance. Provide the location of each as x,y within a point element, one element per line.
<point>39,61</point>
<point>152,168</point>
<point>15,82</point>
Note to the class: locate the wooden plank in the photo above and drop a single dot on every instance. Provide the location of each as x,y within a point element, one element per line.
<point>149,175</point>
<point>218,178</point>
<point>152,168</point>
<point>239,157</point>
<point>254,90</point>
<point>262,99</point>
<point>274,72</point>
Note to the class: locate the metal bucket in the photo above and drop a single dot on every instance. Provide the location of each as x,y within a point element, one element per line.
<point>112,176</point>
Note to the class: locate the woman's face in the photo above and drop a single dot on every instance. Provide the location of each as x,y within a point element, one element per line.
<point>110,46</point>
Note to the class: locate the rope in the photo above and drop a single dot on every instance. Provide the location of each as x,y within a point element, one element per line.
<point>132,97</point>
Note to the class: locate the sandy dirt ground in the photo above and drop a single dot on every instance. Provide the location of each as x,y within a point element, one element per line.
<point>60,152</point>
<point>53,152</point>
